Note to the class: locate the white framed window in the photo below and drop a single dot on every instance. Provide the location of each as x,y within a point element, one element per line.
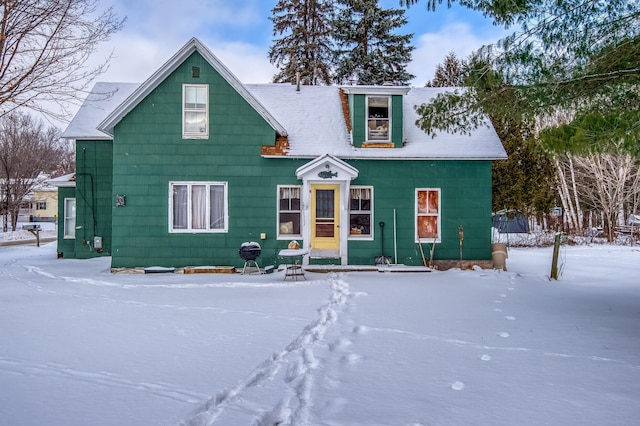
<point>289,211</point>
<point>361,212</point>
<point>195,111</point>
<point>41,205</point>
<point>69,218</point>
<point>428,214</point>
<point>378,118</point>
<point>198,207</point>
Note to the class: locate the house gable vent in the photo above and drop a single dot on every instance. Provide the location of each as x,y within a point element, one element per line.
<point>195,72</point>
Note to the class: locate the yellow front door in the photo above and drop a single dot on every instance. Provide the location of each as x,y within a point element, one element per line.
<point>325,217</point>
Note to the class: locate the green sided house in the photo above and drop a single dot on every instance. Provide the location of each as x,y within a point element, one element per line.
<point>184,168</point>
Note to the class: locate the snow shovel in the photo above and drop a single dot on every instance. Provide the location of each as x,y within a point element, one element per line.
<point>382,260</point>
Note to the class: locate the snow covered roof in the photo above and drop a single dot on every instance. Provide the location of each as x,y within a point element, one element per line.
<point>312,118</point>
<point>102,100</point>
<point>316,125</point>
<point>65,180</point>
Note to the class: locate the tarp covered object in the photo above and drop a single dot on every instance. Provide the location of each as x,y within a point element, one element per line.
<point>633,219</point>
<point>510,222</point>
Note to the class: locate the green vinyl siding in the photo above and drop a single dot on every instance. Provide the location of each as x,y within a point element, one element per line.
<point>93,195</point>
<point>465,200</point>
<point>357,109</point>
<point>396,120</point>
<point>149,152</point>
<point>65,246</point>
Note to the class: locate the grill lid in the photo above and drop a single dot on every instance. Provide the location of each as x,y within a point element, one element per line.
<point>250,250</point>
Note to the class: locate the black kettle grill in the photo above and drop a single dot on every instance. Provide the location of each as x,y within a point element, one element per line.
<point>250,252</point>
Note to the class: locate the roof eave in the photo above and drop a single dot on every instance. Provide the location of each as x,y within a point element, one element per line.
<point>376,90</point>
<point>85,137</point>
<point>388,158</point>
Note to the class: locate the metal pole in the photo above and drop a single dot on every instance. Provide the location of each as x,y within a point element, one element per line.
<point>395,239</point>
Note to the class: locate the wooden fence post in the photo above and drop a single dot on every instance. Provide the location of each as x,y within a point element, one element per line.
<point>556,251</point>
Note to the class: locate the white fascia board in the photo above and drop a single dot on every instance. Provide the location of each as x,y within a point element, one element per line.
<point>376,90</point>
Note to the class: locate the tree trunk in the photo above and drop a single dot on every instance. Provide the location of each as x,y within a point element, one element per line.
<point>579,218</point>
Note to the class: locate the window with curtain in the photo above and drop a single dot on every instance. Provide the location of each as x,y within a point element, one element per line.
<point>360,211</point>
<point>289,211</point>
<point>198,206</point>
<point>195,111</point>
<point>69,218</point>
<point>378,118</point>
<point>428,214</point>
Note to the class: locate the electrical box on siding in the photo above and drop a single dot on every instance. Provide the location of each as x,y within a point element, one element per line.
<point>97,243</point>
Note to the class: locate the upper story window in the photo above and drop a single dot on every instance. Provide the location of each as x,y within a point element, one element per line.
<point>41,205</point>
<point>378,118</point>
<point>195,111</point>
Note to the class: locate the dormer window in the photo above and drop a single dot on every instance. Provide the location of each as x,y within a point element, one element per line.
<point>378,118</point>
<point>195,111</point>
<point>376,115</point>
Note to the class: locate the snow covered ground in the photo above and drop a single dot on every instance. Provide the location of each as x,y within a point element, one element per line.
<point>47,230</point>
<point>81,346</point>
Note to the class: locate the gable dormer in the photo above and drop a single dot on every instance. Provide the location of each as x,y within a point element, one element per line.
<point>375,115</point>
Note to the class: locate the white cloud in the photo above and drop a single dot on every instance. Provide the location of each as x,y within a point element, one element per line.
<point>431,48</point>
<point>165,20</point>
<point>136,58</point>
<point>249,63</point>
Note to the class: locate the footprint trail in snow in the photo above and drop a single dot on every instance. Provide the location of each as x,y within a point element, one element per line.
<point>294,406</point>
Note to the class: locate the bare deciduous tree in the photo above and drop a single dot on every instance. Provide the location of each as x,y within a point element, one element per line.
<point>45,46</point>
<point>606,183</point>
<point>27,150</point>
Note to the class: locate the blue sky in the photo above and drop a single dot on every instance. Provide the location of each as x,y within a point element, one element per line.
<point>239,33</point>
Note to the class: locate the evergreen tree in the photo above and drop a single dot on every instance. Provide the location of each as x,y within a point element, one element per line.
<point>450,73</point>
<point>582,57</point>
<point>367,48</point>
<point>304,46</point>
<point>525,180</point>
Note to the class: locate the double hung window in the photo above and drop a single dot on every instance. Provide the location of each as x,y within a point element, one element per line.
<point>428,214</point>
<point>289,212</point>
<point>198,206</point>
<point>69,218</point>
<point>378,118</point>
<point>195,111</point>
<point>360,211</point>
